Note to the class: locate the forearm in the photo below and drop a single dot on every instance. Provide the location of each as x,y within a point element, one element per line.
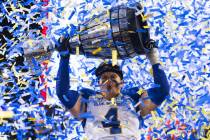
<point>159,92</point>
<point>158,74</point>
<point>62,82</point>
<point>67,97</point>
<point>160,78</point>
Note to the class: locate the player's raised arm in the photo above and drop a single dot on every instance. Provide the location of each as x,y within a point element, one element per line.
<point>69,98</point>
<point>158,93</point>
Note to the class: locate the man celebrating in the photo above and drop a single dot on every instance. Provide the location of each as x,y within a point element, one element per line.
<point>115,112</point>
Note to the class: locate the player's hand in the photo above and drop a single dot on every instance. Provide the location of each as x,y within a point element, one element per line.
<point>63,46</point>
<point>149,45</point>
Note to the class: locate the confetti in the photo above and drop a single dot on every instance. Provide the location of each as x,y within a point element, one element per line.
<point>96,51</point>
<point>114,57</point>
<point>6,114</point>
<point>181,30</point>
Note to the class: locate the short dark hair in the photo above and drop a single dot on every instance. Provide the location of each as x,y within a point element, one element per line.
<point>107,67</point>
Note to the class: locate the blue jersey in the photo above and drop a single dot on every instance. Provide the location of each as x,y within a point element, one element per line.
<point>122,109</point>
<point>110,121</point>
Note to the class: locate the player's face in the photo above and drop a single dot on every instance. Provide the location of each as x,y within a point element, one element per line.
<point>111,85</point>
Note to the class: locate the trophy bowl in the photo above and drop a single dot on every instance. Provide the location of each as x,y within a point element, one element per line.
<point>117,29</point>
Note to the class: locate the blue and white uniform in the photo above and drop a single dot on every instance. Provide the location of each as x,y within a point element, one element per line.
<point>101,108</point>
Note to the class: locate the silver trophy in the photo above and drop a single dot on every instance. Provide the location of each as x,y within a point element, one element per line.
<point>121,28</point>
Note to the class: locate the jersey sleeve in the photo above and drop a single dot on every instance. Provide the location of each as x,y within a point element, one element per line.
<point>158,93</point>
<point>67,97</point>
